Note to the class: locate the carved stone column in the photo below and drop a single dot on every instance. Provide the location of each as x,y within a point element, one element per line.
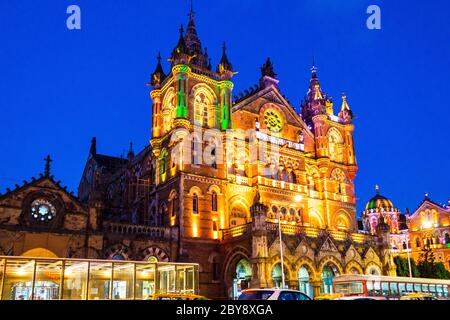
<point>259,243</point>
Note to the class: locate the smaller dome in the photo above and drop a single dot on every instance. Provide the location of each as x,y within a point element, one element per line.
<point>380,202</point>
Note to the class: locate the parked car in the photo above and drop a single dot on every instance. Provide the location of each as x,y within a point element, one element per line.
<point>329,296</point>
<point>361,298</point>
<point>173,296</point>
<point>272,294</point>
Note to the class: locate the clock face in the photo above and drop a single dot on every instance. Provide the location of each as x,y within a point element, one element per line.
<point>273,120</point>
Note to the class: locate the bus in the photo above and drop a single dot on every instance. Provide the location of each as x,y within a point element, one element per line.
<point>389,287</point>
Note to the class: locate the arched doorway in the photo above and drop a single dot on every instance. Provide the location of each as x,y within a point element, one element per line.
<point>39,253</point>
<point>304,284</point>
<point>118,256</point>
<point>329,271</point>
<point>276,276</point>
<point>242,278</point>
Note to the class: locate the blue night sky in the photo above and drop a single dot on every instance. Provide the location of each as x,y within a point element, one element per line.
<point>60,87</point>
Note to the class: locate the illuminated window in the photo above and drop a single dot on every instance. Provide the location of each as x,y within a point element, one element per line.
<point>417,242</point>
<point>195,204</point>
<point>447,238</point>
<point>42,210</point>
<point>335,145</point>
<point>152,259</point>
<point>201,112</point>
<point>195,151</point>
<point>214,201</point>
<point>213,158</point>
<point>172,208</point>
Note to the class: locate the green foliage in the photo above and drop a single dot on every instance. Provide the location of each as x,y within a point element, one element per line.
<point>429,268</point>
<point>403,268</point>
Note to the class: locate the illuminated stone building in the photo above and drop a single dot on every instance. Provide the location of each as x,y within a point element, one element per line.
<point>429,226</point>
<point>218,173</point>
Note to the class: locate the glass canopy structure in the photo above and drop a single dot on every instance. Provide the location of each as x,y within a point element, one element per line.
<point>24,278</point>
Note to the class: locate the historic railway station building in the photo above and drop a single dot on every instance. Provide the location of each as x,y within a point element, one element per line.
<point>198,192</point>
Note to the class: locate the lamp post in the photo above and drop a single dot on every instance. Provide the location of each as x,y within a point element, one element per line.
<point>407,244</point>
<point>409,259</point>
<point>281,250</point>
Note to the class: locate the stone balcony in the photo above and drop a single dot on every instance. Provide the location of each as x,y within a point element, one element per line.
<point>137,230</point>
<point>294,229</point>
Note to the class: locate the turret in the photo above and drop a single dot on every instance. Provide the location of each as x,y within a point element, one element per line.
<point>346,113</point>
<point>224,68</point>
<point>158,76</point>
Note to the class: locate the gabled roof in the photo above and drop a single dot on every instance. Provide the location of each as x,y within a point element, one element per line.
<point>261,93</point>
<point>38,183</point>
<point>111,164</point>
<point>426,201</point>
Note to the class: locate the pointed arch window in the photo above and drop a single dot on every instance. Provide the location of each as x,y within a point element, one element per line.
<point>214,201</point>
<point>195,151</point>
<point>195,204</point>
<point>213,158</point>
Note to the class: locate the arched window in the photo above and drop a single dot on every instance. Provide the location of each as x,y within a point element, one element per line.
<point>335,145</point>
<point>118,256</point>
<point>276,276</point>
<point>447,238</point>
<point>172,207</point>
<point>293,177</point>
<point>404,245</point>
<point>304,284</point>
<point>195,151</point>
<point>213,158</point>
<point>203,109</point>
<point>284,176</point>
<point>417,242</point>
<point>328,274</point>
<point>168,109</point>
<point>214,201</point>
<point>195,204</point>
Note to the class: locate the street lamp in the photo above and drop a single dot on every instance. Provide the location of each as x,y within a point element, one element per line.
<point>407,251</point>
<point>297,199</point>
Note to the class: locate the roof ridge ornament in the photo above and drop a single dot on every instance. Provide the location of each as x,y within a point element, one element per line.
<point>47,166</point>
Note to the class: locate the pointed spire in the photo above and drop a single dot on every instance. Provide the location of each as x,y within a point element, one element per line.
<point>346,113</point>
<point>47,166</point>
<point>180,54</point>
<point>225,67</point>
<point>191,12</point>
<point>131,152</point>
<point>267,69</point>
<point>377,189</point>
<point>93,150</point>
<point>315,101</point>
<point>268,75</point>
<point>158,75</point>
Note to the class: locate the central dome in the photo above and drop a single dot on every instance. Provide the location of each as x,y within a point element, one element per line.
<point>379,202</point>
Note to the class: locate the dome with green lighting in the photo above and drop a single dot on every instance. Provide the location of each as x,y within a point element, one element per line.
<point>380,203</point>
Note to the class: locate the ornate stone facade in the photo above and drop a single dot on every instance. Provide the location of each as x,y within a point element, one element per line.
<point>218,174</point>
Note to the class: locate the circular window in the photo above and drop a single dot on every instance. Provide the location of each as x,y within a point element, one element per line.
<point>273,120</point>
<point>42,210</point>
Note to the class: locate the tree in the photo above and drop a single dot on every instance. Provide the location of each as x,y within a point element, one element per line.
<point>428,266</point>
<point>403,267</point>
